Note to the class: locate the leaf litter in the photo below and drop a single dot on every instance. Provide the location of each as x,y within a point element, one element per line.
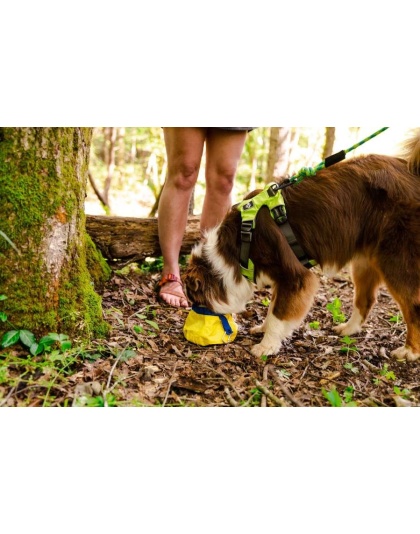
<point>146,360</point>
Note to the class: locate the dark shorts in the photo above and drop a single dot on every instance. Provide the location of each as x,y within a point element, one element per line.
<point>246,129</point>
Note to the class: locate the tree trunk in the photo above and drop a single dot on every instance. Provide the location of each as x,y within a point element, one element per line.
<point>111,139</point>
<point>278,154</point>
<point>43,175</point>
<point>329,141</point>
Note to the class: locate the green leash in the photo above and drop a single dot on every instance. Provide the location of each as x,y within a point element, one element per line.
<point>335,158</point>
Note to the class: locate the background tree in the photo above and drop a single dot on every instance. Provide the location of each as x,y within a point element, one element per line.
<point>278,153</point>
<point>44,250</point>
<point>329,142</point>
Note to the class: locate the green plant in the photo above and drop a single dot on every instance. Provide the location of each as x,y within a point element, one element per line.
<point>404,393</point>
<point>27,339</point>
<point>388,375</point>
<point>334,308</point>
<point>152,326</point>
<point>349,345</point>
<point>265,301</point>
<point>3,316</point>
<point>395,318</point>
<point>384,375</point>
<point>255,399</point>
<point>314,325</point>
<point>334,398</point>
<point>351,367</point>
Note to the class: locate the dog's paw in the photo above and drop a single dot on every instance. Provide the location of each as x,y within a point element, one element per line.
<point>263,349</point>
<point>405,353</point>
<point>259,329</point>
<point>347,329</point>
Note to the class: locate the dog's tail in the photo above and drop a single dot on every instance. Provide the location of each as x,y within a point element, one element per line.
<point>411,152</point>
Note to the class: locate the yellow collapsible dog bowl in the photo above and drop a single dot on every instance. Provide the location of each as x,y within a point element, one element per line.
<point>204,327</point>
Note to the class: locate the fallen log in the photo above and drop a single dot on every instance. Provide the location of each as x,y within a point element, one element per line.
<point>123,240</point>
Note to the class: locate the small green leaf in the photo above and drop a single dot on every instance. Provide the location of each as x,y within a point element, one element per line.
<point>65,345</point>
<point>3,297</point>
<point>36,348</point>
<point>54,336</point>
<point>10,338</point>
<point>47,341</point>
<point>153,324</point>
<point>27,337</point>
<point>3,317</point>
<point>348,394</point>
<point>138,329</point>
<point>333,397</point>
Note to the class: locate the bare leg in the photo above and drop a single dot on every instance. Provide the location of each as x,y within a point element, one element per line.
<point>184,147</point>
<point>223,152</point>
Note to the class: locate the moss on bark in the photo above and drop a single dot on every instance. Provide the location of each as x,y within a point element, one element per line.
<point>43,175</point>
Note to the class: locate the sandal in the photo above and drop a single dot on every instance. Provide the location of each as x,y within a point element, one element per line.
<point>172,290</point>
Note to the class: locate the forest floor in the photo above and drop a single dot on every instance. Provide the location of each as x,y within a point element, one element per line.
<point>146,361</point>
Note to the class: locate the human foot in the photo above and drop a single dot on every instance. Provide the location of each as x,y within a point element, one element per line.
<point>171,291</point>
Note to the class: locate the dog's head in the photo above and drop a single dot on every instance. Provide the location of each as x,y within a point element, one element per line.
<point>213,276</point>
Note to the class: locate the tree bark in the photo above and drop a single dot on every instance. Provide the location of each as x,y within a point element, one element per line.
<point>278,153</point>
<point>329,141</point>
<point>123,240</point>
<point>43,176</point>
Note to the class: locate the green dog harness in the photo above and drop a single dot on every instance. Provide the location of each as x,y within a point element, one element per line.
<point>271,197</point>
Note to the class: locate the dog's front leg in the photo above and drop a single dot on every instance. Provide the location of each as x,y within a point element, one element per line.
<point>288,308</point>
<point>275,330</point>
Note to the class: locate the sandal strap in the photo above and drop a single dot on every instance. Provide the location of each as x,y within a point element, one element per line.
<point>169,278</point>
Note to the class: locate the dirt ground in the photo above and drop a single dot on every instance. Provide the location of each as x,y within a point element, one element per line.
<point>315,367</point>
<point>146,361</point>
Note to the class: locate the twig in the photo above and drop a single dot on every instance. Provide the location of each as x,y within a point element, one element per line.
<point>271,396</point>
<point>284,389</point>
<point>371,366</point>
<point>171,381</point>
<point>7,397</point>
<point>222,374</point>
<point>265,378</point>
<point>107,387</point>
<point>230,399</point>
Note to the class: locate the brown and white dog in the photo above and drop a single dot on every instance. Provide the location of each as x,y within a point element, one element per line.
<point>364,211</point>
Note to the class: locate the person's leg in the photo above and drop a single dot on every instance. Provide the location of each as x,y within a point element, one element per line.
<point>184,148</point>
<point>223,152</point>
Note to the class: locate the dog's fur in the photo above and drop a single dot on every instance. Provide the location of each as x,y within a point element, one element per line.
<point>364,211</point>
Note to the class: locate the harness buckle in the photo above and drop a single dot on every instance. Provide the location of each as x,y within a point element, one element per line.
<point>246,231</point>
<point>279,214</point>
<point>272,190</point>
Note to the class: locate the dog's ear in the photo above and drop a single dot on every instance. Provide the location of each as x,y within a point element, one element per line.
<point>193,279</point>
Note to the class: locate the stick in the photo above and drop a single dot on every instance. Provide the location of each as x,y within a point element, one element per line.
<point>171,381</point>
<point>271,396</point>
<point>284,389</point>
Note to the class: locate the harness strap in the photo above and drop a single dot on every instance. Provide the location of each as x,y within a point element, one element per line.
<point>294,245</point>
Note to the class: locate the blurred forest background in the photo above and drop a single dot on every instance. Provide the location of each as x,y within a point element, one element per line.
<point>128,164</point>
